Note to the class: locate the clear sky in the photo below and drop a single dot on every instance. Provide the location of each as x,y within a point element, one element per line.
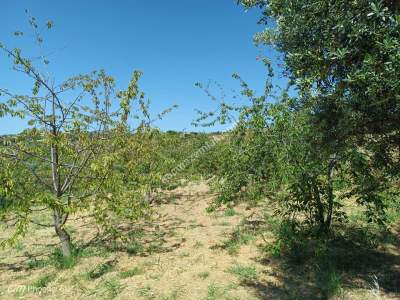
<point>175,43</point>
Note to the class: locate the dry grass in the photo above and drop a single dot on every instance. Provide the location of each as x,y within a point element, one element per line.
<point>186,257</point>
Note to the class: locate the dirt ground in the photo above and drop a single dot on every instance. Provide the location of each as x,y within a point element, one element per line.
<point>186,259</point>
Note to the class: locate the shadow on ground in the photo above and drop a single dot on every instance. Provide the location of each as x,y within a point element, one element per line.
<point>347,262</point>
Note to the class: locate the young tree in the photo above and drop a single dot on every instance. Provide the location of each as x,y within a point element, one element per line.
<point>64,162</point>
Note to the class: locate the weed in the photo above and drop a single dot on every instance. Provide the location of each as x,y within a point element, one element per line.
<point>198,244</point>
<point>92,251</point>
<point>229,212</point>
<point>328,280</point>
<point>238,238</point>
<point>21,277</point>
<point>19,246</point>
<point>108,289</point>
<point>36,263</point>
<point>274,249</point>
<point>61,262</point>
<point>132,272</point>
<point>204,275</point>
<point>155,276</point>
<point>43,281</point>
<point>232,247</point>
<point>245,273</point>
<point>146,292</point>
<point>77,281</point>
<point>230,287</point>
<point>100,270</point>
<point>155,247</point>
<point>224,223</point>
<point>184,254</point>
<point>113,287</point>
<point>173,296</point>
<point>290,240</point>
<point>210,209</point>
<point>214,292</point>
<point>134,248</point>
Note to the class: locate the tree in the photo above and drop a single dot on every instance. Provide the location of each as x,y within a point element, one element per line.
<point>348,53</point>
<point>65,161</point>
<point>343,58</point>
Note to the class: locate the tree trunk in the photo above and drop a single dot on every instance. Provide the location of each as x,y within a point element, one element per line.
<point>330,195</point>
<point>63,235</point>
<point>320,207</point>
<point>59,217</point>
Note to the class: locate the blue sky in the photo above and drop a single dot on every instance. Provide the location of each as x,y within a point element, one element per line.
<point>175,43</point>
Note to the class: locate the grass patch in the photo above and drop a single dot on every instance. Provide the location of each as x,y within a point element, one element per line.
<point>155,247</point>
<point>36,263</point>
<point>132,272</point>
<point>19,246</point>
<point>109,289</point>
<point>184,254</point>
<point>210,209</point>
<point>214,292</point>
<point>245,273</point>
<point>135,248</point>
<point>198,244</point>
<point>61,262</point>
<point>174,295</point>
<point>238,238</point>
<point>92,251</point>
<point>146,292</point>
<point>43,281</point>
<point>203,275</point>
<point>224,223</point>
<point>58,260</point>
<point>229,212</point>
<point>100,270</point>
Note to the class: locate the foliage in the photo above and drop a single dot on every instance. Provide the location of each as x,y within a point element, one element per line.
<point>343,58</point>
<point>337,138</point>
<point>272,152</point>
<point>69,160</point>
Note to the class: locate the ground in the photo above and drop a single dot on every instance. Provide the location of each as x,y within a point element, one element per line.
<point>184,253</point>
